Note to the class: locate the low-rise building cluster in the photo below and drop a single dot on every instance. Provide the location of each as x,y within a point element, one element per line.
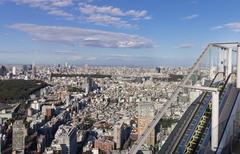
<point>82,112</point>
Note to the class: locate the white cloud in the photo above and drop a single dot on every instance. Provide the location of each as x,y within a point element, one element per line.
<point>93,9</point>
<point>62,13</point>
<point>233,26</point>
<point>216,27</point>
<point>84,37</point>
<point>136,13</point>
<point>193,16</point>
<point>113,11</point>
<point>67,55</point>
<point>53,7</point>
<point>100,19</point>
<point>148,18</point>
<point>99,15</point>
<point>109,15</point>
<point>44,4</point>
<point>62,3</point>
<point>185,46</point>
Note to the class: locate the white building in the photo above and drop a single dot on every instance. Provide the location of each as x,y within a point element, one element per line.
<point>14,70</point>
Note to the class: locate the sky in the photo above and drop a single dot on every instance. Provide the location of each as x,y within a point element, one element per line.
<point>114,32</point>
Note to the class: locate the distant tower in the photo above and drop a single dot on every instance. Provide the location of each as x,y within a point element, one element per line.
<point>34,70</point>
<point>157,69</point>
<point>145,116</point>
<point>66,65</point>
<point>14,70</point>
<point>25,69</point>
<point>88,85</point>
<point>3,71</point>
<point>18,143</point>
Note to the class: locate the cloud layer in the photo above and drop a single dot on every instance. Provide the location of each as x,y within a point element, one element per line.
<point>100,19</point>
<point>234,26</point>
<point>53,7</point>
<point>109,15</point>
<point>110,10</point>
<point>45,4</point>
<point>83,37</point>
<point>99,15</point>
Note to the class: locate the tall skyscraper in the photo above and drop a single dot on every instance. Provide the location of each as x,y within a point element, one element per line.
<point>121,134</point>
<point>14,70</point>
<point>24,69</point>
<point>19,133</point>
<point>146,113</point>
<point>117,136</point>
<point>34,70</point>
<point>88,85</point>
<point>66,65</point>
<point>3,71</point>
<point>158,69</point>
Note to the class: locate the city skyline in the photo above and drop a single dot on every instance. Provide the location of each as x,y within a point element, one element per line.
<point>119,76</point>
<point>99,32</point>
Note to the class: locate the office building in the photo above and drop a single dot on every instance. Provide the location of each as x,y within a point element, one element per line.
<point>146,114</point>
<point>66,139</point>
<point>3,71</point>
<point>19,133</point>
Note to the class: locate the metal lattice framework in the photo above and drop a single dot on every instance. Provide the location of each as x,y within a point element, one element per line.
<point>137,145</point>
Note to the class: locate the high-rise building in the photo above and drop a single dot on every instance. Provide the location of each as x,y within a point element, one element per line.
<point>117,136</point>
<point>14,70</point>
<point>158,69</point>
<point>66,65</point>
<point>66,139</point>
<point>146,112</point>
<point>34,71</point>
<point>19,133</point>
<point>25,68</point>
<point>121,133</point>
<point>3,71</point>
<point>88,85</point>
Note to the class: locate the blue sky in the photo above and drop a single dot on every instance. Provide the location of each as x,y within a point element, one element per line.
<point>114,32</point>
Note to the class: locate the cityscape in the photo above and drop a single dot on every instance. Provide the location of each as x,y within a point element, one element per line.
<point>87,112</point>
<point>119,77</point>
